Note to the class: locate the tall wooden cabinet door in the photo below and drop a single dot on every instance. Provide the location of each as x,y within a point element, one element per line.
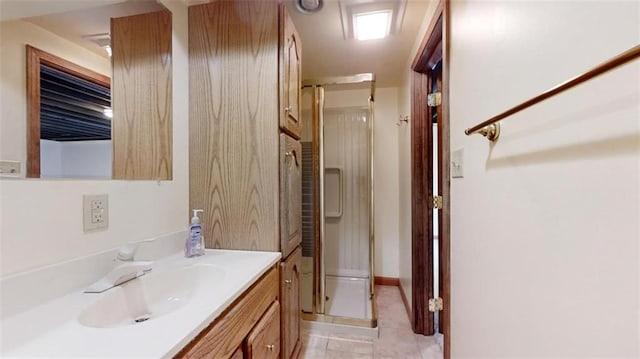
<point>290,194</point>
<point>290,75</point>
<point>290,300</point>
<point>233,119</point>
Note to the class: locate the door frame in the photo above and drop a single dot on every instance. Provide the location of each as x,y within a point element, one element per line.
<point>434,45</point>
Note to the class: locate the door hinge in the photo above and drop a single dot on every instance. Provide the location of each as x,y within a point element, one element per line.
<point>436,304</point>
<point>437,202</point>
<point>434,99</point>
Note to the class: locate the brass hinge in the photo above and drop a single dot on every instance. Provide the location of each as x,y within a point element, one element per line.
<point>436,304</point>
<point>434,99</point>
<point>437,202</point>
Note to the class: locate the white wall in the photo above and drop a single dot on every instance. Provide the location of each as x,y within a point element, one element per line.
<point>42,219</point>
<point>545,224</point>
<point>385,167</point>
<point>76,159</point>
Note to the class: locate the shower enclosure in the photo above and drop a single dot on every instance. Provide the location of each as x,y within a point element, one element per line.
<point>337,203</point>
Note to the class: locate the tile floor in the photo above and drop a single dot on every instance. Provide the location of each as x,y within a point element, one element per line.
<point>396,340</point>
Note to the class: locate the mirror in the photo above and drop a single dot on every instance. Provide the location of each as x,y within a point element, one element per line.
<point>89,92</point>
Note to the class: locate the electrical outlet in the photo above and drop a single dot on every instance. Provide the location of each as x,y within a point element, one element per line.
<point>95,212</point>
<point>97,204</point>
<point>97,217</point>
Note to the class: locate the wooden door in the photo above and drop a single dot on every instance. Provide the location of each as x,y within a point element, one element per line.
<point>422,319</point>
<point>290,194</point>
<point>290,297</point>
<point>434,48</point>
<point>290,75</point>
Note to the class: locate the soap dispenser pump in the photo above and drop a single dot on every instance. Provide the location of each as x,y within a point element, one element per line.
<point>195,242</point>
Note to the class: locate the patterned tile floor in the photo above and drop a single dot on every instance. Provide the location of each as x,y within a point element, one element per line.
<point>396,340</point>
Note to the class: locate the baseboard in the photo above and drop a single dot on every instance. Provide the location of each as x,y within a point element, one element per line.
<point>405,301</point>
<point>386,281</point>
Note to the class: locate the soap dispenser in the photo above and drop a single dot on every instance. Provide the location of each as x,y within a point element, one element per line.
<point>195,242</point>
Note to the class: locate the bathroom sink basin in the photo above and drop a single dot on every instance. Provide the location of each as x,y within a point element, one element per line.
<point>150,296</point>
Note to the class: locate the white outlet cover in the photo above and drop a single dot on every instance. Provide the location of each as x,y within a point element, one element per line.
<point>92,205</point>
<point>457,163</point>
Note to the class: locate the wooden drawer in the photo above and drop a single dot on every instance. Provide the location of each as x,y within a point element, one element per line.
<point>264,340</point>
<point>223,337</point>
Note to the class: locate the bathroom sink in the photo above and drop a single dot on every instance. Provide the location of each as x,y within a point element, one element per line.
<point>150,296</point>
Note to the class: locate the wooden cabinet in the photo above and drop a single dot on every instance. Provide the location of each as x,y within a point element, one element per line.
<point>233,122</point>
<point>222,338</point>
<point>238,354</point>
<point>290,75</point>
<point>264,340</point>
<point>243,172</point>
<point>290,194</point>
<point>290,299</point>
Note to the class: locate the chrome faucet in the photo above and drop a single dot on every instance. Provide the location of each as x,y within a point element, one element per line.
<point>126,270</point>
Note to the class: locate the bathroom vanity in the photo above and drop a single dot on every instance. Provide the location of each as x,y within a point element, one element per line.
<point>221,305</point>
<point>251,325</point>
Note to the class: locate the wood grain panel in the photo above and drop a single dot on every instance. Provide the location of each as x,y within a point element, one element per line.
<point>223,337</point>
<point>290,194</point>
<point>290,75</point>
<point>233,122</point>
<point>238,354</point>
<point>35,58</point>
<point>264,340</point>
<point>142,125</point>
<point>290,298</point>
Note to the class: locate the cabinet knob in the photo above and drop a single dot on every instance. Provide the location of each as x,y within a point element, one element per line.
<point>287,109</point>
<point>288,282</point>
<point>271,347</point>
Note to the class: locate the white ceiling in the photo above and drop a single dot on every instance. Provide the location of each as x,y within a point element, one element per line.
<point>75,25</point>
<point>325,52</point>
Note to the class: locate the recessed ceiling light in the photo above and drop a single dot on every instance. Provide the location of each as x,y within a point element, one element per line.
<point>372,25</point>
<point>371,19</point>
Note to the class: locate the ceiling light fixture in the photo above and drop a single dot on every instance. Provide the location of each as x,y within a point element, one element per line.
<point>309,6</point>
<point>372,25</point>
<point>371,19</point>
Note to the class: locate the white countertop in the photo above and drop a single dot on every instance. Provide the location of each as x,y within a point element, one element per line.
<point>52,329</point>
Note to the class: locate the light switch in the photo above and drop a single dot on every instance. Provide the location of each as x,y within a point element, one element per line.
<point>457,163</point>
<point>95,212</point>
